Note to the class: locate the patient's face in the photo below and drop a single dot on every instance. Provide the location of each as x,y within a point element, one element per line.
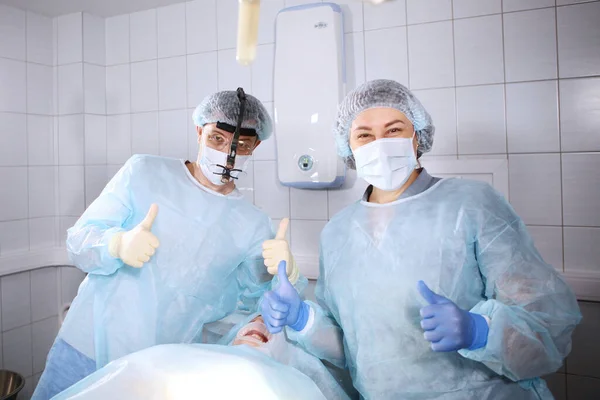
<point>254,334</point>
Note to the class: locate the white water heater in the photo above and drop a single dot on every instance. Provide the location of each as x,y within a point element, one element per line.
<point>309,83</point>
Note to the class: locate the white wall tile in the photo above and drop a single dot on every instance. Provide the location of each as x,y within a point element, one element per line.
<point>227,14</point>
<point>581,189</point>
<point>118,139</point>
<point>117,40</point>
<point>262,73</point>
<point>65,223</point>
<point>422,11</point>
<point>14,237</point>
<point>386,15</point>
<point>71,278</point>
<point>231,74</point>
<point>70,38</point>
<point>95,139</point>
<point>111,170</point>
<point>386,54</point>
<point>13,84</point>
<point>355,60</point>
<point>172,86</point>
<point>13,139</point>
<point>39,89</point>
<point>16,302</point>
<point>266,150</point>
<point>143,35</point>
<point>478,50</point>
<point>581,249</point>
<point>94,40</point>
<point>530,45</point>
<point>12,31</point>
<point>580,114</point>
<point>305,237</point>
<point>42,232</point>
<point>520,5</point>
<point>270,196</point>
<point>535,188</point>
<point>70,140</point>
<point>118,90</point>
<point>441,105</point>
<point>201,25</point>
<point>144,86</point>
<point>201,77</point>
<point>480,120</point>
<point>71,194</point>
<point>16,349</point>
<point>192,137</point>
<point>95,181</point>
<point>579,40</point>
<point>43,334</point>
<point>268,15</point>
<point>353,15</point>
<point>41,191</point>
<point>144,133</point>
<point>94,89</point>
<point>431,55</point>
<point>474,8</point>
<point>583,359</point>
<point>308,204</point>
<point>39,39</point>
<point>173,133</point>
<point>70,89</point>
<point>532,117</point>
<point>40,140</point>
<point>44,293</point>
<point>549,242</point>
<point>171,31</point>
<point>13,180</point>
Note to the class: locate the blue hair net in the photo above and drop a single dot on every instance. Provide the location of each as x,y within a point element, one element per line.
<point>376,94</point>
<point>225,106</point>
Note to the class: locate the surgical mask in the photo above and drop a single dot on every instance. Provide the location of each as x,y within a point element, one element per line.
<point>211,159</point>
<point>386,163</point>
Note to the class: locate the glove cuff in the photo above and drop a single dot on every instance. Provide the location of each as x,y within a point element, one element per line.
<point>115,244</point>
<point>480,331</point>
<point>303,314</point>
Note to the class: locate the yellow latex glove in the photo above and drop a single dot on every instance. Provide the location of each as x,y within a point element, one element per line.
<point>277,250</point>
<point>135,247</point>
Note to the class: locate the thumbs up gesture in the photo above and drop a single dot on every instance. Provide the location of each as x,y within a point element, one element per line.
<point>449,327</point>
<point>135,247</point>
<point>277,250</point>
<point>283,306</point>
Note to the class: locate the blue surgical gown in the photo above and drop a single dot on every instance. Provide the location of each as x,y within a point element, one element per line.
<point>466,242</point>
<point>209,262</point>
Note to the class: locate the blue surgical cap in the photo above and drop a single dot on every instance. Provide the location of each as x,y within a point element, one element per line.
<point>376,94</point>
<point>225,107</point>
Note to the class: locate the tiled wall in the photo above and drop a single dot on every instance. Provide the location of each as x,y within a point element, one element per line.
<point>27,159</point>
<point>30,305</point>
<point>513,78</point>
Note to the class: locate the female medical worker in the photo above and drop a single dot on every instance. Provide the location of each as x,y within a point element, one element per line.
<point>435,283</point>
<point>137,294</point>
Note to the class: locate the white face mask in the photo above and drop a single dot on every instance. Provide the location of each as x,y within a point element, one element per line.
<point>211,158</point>
<point>386,163</point>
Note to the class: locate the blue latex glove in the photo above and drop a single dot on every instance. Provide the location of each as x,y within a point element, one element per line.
<point>449,327</point>
<point>283,306</point>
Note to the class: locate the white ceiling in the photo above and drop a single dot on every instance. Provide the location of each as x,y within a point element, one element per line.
<point>101,8</point>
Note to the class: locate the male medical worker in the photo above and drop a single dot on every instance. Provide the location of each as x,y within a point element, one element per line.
<point>169,245</point>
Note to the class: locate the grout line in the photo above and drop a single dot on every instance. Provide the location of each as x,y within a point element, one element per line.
<point>455,87</point>
<point>407,47</point>
<point>504,102</point>
<point>562,200</point>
